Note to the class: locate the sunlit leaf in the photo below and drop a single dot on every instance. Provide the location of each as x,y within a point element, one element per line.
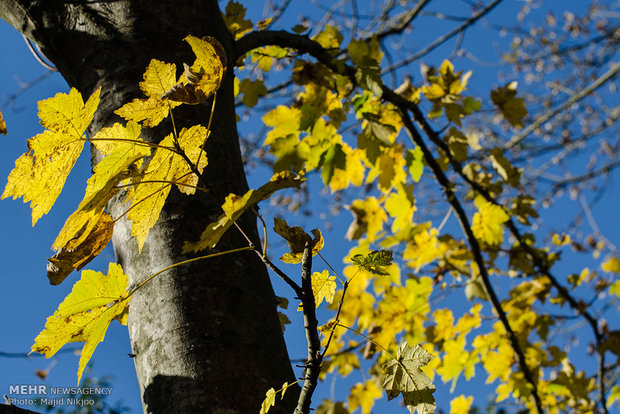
<point>403,375</point>
<point>363,396</point>
<point>122,149</point>
<point>612,265</point>
<point>461,404</point>
<point>159,77</point>
<point>209,66</point>
<point>374,262</point>
<point>269,401</point>
<point>39,175</point>
<point>323,287</point>
<point>488,221</point>
<point>85,314</point>
<point>166,168</point>
<point>369,217</point>
<point>214,231</point>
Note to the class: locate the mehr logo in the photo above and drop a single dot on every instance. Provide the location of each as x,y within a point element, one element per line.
<point>28,389</point>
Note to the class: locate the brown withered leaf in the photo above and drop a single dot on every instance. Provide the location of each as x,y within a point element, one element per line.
<point>75,256</point>
<point>2,125</point>
<point>185,93</point>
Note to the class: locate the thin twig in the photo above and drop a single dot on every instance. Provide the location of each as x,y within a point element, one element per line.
<point>442,39</point>
<point>476,250</point>
<point>575,98</point>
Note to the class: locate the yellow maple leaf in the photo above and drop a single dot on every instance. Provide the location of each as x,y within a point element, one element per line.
<point>85,314</point>
<point>2,125</point>
<point>425,249</point>
<point>461,404</point>
<point>612,265</point>
<point>209,66</point>
<point>284,120</point>
<point>498,362</point>
<point>363,396</point>
<point>389,168</point>
<point>369,217</point>
<point>352,174</point>
<point>444,321</point>
<point>159,77</point>
<point>40,174</point>
<point>269,401</point>
<point>165,169</point>
<point>401,206</point>
<point>455,359</point>
<point>236,205</point>
<point>323,287</point>
<point>487,223</point>
<point>148,111</point>
<point>122,148</point>
<point>469,320</point>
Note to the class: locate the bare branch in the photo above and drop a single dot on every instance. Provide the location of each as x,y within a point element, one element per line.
<point>573,99</point>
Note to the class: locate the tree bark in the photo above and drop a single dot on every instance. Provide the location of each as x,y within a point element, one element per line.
<point>206,336</point>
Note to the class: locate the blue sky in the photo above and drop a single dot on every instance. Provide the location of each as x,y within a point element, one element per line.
<point>26,298</point>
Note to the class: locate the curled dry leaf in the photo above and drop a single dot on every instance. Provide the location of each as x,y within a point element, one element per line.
<point>204,77</point>
<point>76,255</point>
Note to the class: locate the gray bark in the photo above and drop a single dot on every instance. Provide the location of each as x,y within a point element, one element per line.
<point>206,336</point>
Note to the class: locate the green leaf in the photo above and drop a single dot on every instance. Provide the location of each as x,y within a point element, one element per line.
<point>403,375</point>
<point>374,262</point>
<point>368,78</point>
<point>471,105</point>
<point>510,106</point>
<point>415,162</point>
<point>299,29</point>
<point>503,167</point>
<point>378,130</point>
<point>333,158</point>
<point>251,91</point>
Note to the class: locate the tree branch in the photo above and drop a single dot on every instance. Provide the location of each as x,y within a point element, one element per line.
<point>313,363</point>
<point>475,248</point>
<point>442,39</point>
<point>574,98</point>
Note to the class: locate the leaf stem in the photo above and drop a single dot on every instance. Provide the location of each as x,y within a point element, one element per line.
<point>195,259</point>
<point>331,268</point>
<point>369,340</point>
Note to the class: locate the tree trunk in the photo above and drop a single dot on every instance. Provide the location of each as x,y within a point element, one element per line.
<point>206,336</point>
